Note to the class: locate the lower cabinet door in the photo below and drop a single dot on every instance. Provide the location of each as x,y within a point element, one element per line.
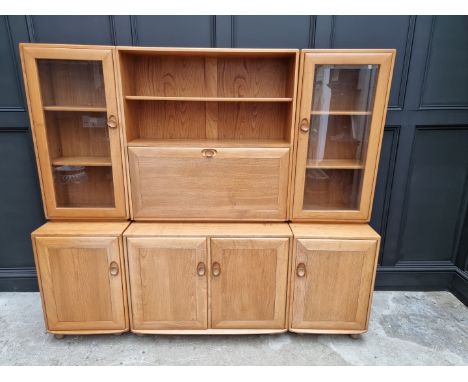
<point>82,283</point>
<point>248,283</point>
<point>168,283</point>
<point>332,284</point>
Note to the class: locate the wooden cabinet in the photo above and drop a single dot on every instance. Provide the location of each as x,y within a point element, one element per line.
<point>332,277</point>
<point>248,284</point>
<point>168,282</point>
<point>209,184</point>
<point>81,277</point>
<point>340,120</point>
<point>208,132</point>
<point>75,121</point>
<point>209,135</point>
<point>207,278</point>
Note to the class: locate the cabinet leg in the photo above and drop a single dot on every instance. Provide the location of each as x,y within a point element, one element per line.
<point>117,334</point>
<point>139,334</point>
<point>59,336</point>
<point>355,336</point>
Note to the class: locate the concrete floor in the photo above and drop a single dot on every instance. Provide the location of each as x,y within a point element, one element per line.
<point>407,328</point>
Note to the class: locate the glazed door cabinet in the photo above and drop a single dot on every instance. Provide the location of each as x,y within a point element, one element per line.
<point>82,282</point>
<point>340,121</point>
<point>248,283</point>
<point>331,283</point>
<point>74,117</point>
<point>168,282</point>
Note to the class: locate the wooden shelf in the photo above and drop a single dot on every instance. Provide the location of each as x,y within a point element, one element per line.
<point>97,109</point>
<point>82,161</point>
<point>341,112</point>
<point>206,143</point>
<point>207,99</point>
<point>339,164</point>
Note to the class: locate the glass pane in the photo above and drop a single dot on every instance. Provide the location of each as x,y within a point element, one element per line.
<point>341,118</point>
<point>71,83</point>
<point>77,134</point>
<point>83,186</point>
<point>344,87</point>
<point>332,189</point>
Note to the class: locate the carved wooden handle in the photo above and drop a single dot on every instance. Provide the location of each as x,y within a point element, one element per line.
<point>216,269</point>
<point>301,270</point>
<point>305,125</point>
<point>112,122</point>
<point>114,268</point>
<point>201,269</point>
<point>209,153</point>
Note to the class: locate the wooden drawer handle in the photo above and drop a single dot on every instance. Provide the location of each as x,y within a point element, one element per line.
<point>114,268</point>
<point>201,269</point>
<point>216,269</point>
<point>305,125</point>
<point>112,122</point>
<point>209,153</point>
<point>301,270</point>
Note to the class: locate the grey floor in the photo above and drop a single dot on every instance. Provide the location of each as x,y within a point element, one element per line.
<point>407,328</point>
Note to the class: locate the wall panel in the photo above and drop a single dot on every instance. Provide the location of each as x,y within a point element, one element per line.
<point>446,75</point>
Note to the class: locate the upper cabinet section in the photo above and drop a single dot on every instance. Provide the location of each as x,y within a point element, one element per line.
<point>208,96</point>
<point>74,117</point>
<point>340,120</point>
<point>209,132</point>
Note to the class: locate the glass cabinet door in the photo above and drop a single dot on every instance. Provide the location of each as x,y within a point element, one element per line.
<point>341,114</point>
<point>73,105</point>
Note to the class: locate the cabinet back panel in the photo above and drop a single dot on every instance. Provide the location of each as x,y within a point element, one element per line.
<point>254,77</point>
<point>209,120</point>
<point>207,76</point>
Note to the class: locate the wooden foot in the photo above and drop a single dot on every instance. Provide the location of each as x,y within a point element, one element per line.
<point>139,334</point>
<point>59,336</point>
<point>355,336</point>
<point>117,334</point>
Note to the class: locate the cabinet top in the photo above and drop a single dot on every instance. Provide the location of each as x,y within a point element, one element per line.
<point>333,231</point>
<point>81,229</point>
<point>209,229</point>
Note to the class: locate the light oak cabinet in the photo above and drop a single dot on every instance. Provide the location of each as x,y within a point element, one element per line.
<point>191,135</point>
<point>209,132</point>
<point>332,277</point>
<point>81,277</point>
<point>207,278</point>
<point>340,120</point>
<point>75,122</point>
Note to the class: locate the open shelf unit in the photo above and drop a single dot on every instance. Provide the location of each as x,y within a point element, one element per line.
<point>215,96</point>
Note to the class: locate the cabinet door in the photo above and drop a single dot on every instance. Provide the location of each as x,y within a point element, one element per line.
<point>82,282</point>
<point>332,283</point>
<point>214,183</point>
<point>73,108</point>
<point>168,283</point>
<point>340,125</point>
<point>248,283</point>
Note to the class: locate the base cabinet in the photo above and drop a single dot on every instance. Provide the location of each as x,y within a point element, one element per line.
<point>332,277</point>
<point>199,278</point>
<point>81,277</point>
<point>168,283</point>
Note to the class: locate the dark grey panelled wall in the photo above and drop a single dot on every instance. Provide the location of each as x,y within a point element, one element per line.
<point>421,200</point>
